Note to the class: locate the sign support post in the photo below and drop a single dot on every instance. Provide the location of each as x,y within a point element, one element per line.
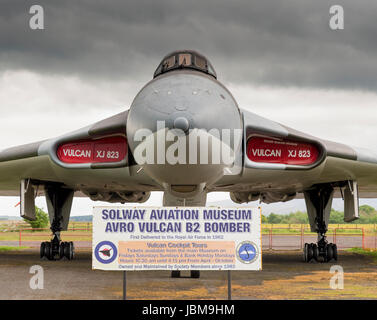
<point>124,285</point>
<point>229,285</point>
<point>170,238</point>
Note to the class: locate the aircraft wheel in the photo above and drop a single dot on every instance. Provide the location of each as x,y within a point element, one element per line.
<point>335,251</point>
<point>195,274</point>
<point>310,251</point>
<point>66,249</point>
<point>329,252</point>
<point>305,252</point>
<point>176,274</point>
<point>315,252</point>
<point>69,250</point>
<point>42,249</point>
<point>48,251</point>
<point>61,249</point>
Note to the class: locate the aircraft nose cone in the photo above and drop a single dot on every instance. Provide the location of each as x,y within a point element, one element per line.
<point>181,123</point>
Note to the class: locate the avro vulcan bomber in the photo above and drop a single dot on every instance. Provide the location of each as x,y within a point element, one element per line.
<point>185,135</point>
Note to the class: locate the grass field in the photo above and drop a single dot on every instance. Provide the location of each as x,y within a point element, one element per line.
<point>6,248</point>
<point>10,231</point>
<point>369,253</point>
<point>297,231</point>
<point>82,231</point>
<point>44,236</point>
<point>283,277</point>
<point>8,225</point>
<point>372,227</point>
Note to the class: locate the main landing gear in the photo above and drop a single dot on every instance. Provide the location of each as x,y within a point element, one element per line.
<point>57,249</point>
<point>319,204</point>
<point>59,201</point>
<point>326,252</point>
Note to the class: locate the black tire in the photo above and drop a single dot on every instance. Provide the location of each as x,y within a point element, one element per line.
<point>305,252</point>
<point>310,252</point>
<point>61,250</point>
<point>329,252</point>
<point>66,250</point>
<point>315,252</point>
<point>48,251</point>
<point>42,249</point>
<point>71,250</point>
<point>176,274</point>
<point>335,251</point>
<point>195,274</point>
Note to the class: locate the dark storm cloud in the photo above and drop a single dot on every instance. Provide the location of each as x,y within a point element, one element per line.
<point>269,42</point>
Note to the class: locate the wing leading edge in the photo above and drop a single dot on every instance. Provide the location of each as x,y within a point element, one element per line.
<point>337,163</point>
<point>39,162</point>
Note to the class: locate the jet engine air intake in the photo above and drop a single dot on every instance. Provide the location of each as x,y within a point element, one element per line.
<point>118,196</point>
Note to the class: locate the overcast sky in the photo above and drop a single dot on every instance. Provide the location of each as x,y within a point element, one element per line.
<point>280,59</point>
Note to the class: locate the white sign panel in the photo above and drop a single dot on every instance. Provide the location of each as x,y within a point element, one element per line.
<point>170,238</point>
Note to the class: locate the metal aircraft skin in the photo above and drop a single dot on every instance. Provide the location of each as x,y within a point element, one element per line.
<point>185,94</point>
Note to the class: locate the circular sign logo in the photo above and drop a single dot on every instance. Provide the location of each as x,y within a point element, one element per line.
<point>106,252</point>
<point>247,252</point>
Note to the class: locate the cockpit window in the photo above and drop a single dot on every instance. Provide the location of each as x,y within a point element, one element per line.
<point>185,59</point>
<point>159,69</point>
<point>211,70</point>
<point>200,62</point>
<point>169,63</point>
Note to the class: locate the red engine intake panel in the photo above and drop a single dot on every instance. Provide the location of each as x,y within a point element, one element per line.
<point>269,150</point>
<point>105,150</point>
